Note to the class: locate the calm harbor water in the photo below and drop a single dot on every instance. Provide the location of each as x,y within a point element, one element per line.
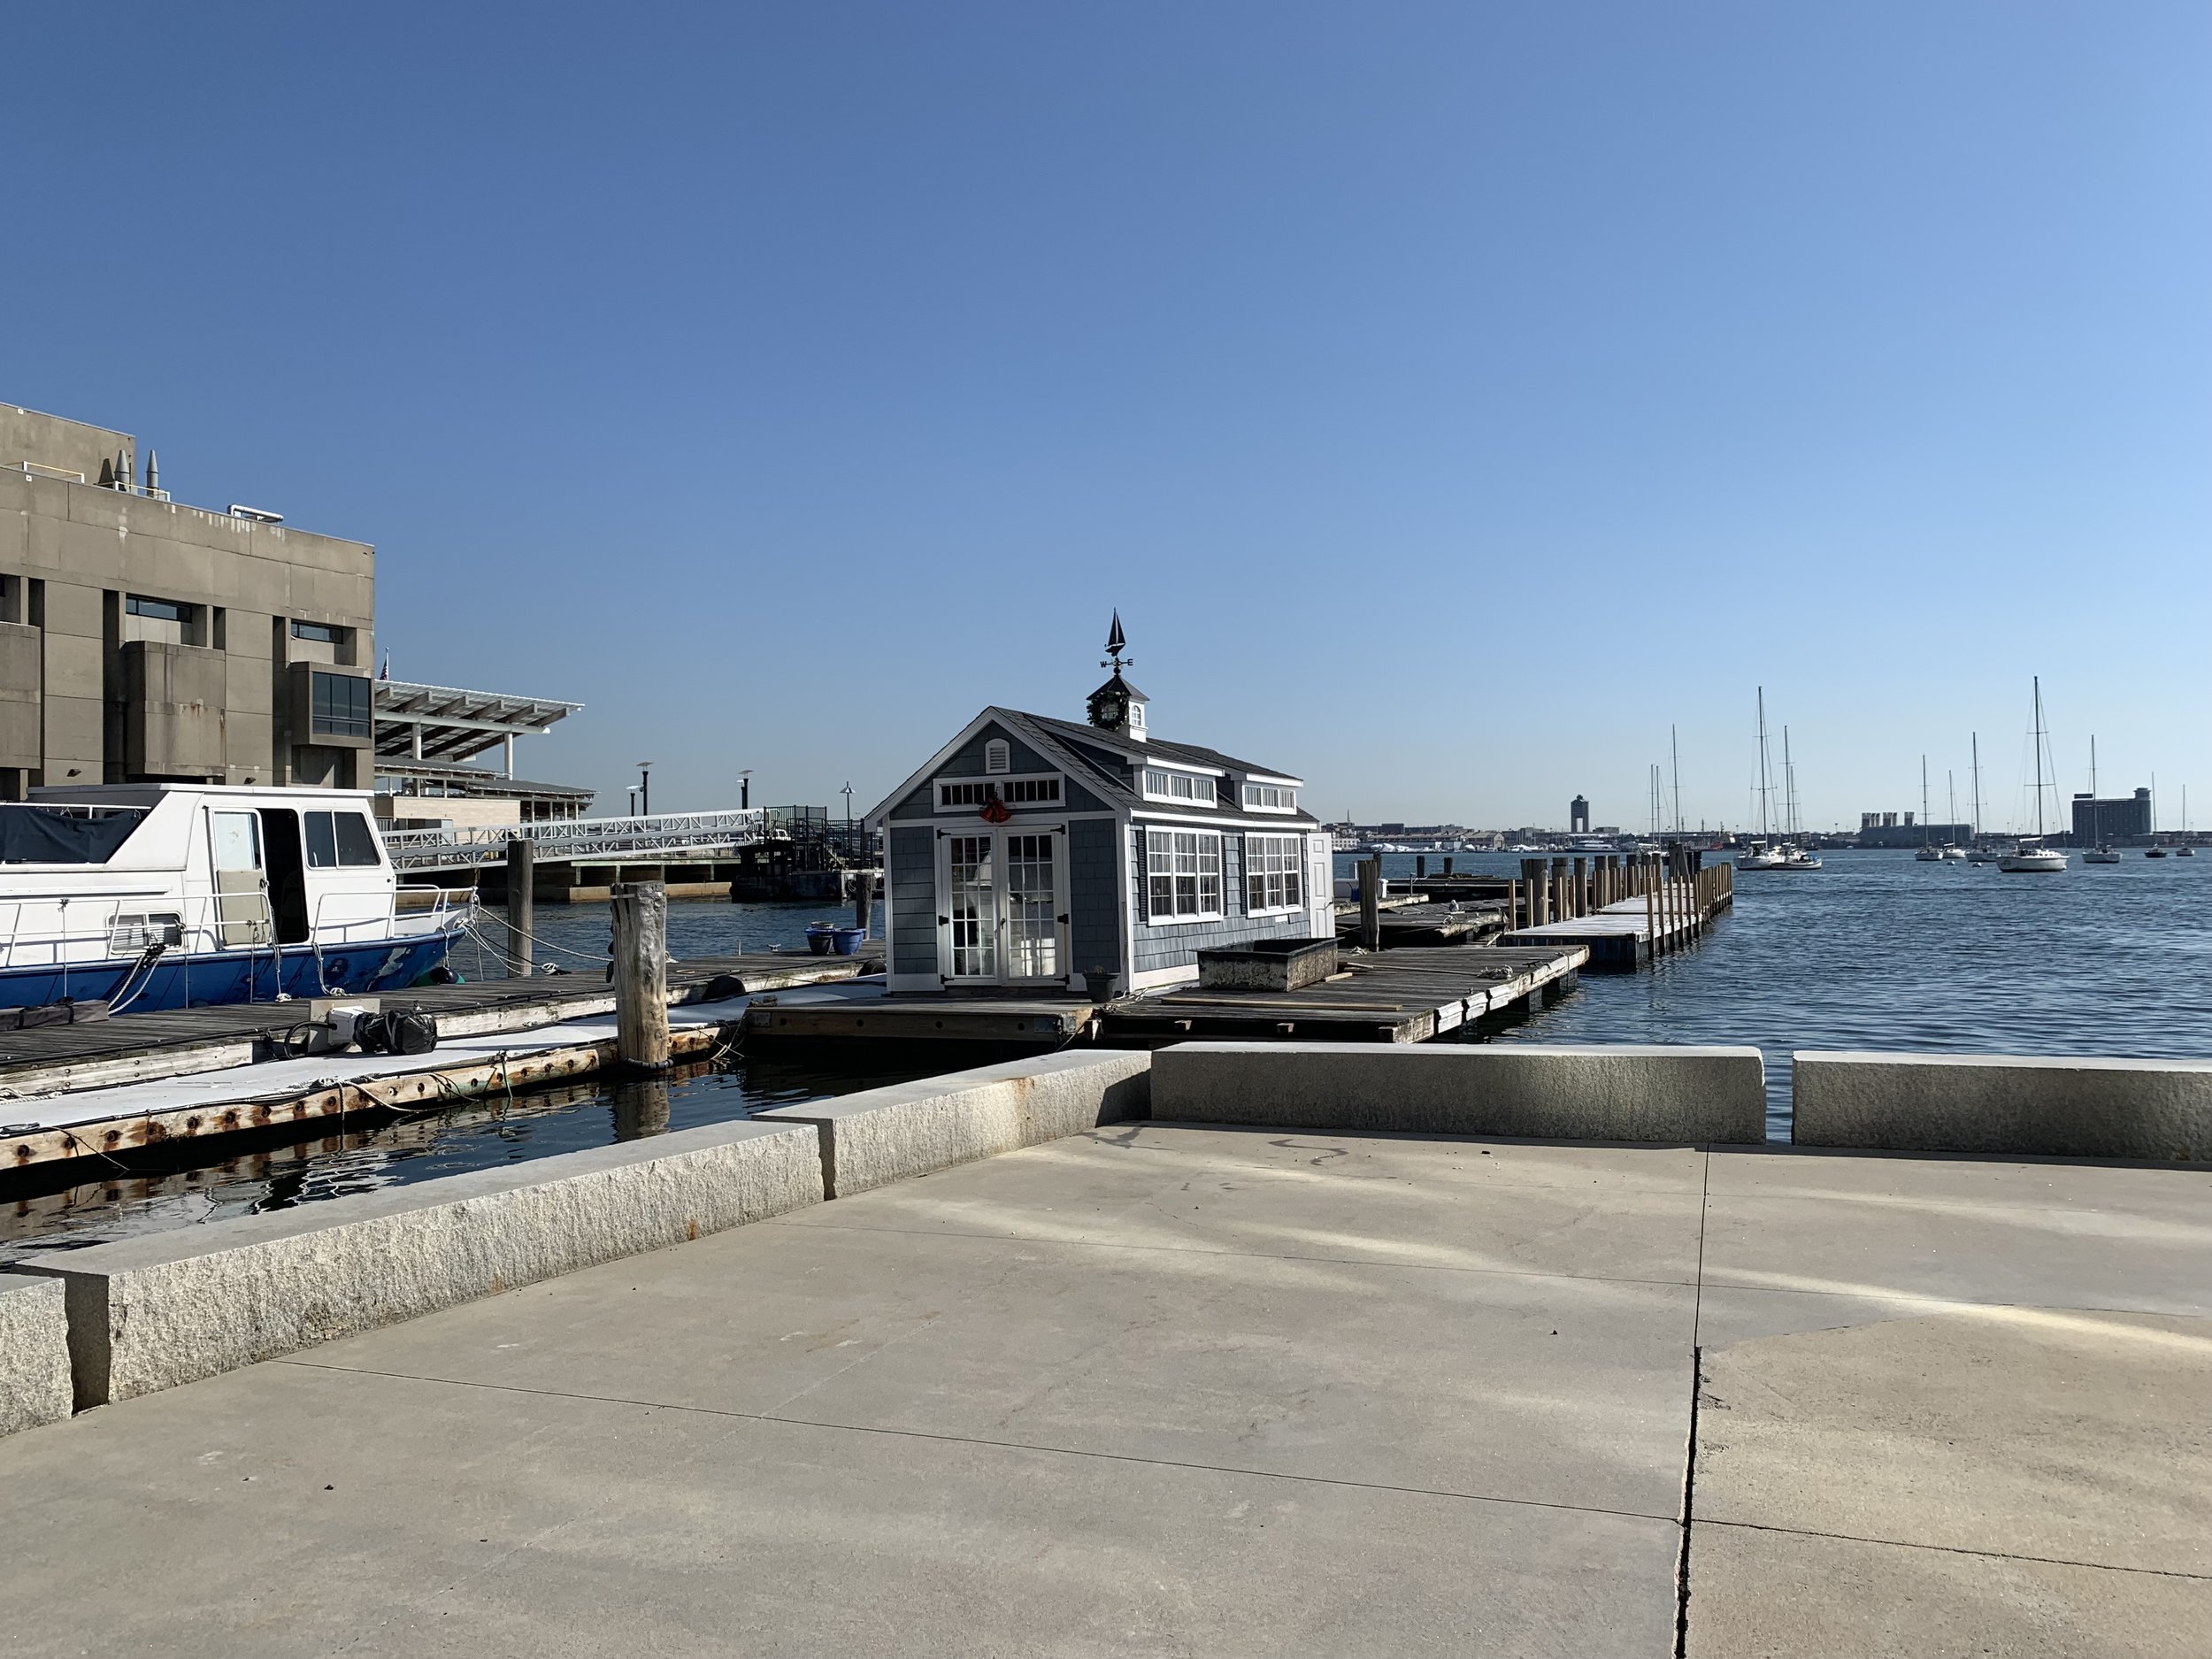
<point>1875,952</point>
<point>1879,950</point>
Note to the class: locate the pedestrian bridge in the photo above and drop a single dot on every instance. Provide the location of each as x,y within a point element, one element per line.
<point>659,838</point>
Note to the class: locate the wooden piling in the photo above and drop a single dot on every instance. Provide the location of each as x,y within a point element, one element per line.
<point>1651,903</point>
<point>864,899</point>
<point>522,926</point>
<point>1581,874</point>
<point>640,975</point>
<point>1421,866</point>
<point>1370,903</point>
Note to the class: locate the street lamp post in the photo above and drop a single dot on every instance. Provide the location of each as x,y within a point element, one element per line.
<point>645,788</point>
<point>745,787</point>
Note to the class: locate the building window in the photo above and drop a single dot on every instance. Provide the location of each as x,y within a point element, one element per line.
<point>1274,874</point>
<point>1182,874</point>
<point>158,609</point>
<point>1013,791</point>
<point>340,841</point>
<point>321,633</point>
<point>998,755</point>
<point>339,706</point>
<point>1163,785</point>
<point>1270,797</point>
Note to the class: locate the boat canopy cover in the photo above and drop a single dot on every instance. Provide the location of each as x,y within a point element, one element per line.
<point>56,835</point>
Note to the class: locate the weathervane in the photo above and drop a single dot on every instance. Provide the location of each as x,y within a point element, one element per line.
<point>1114,645</point>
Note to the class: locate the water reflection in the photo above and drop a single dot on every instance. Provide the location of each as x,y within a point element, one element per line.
<point>161,1188</point>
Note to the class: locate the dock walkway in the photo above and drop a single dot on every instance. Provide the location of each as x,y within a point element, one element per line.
<point>1408,996</point>
<point>1163,1389</point>
<point>81,1090</point>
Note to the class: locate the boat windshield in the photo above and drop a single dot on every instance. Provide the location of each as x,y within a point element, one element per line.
<point>32,834</point>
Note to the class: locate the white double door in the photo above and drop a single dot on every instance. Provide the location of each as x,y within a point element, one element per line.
<point>1003,904</point>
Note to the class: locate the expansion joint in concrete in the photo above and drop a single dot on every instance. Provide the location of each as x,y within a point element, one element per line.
<point>1032,1447</point>
<point>1689,1505</point>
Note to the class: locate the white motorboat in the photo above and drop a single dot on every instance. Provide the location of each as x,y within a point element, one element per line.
<point>162,896</point>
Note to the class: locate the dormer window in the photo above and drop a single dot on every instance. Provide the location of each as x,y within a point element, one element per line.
<point>1183,788</point>
<point>1270,797</point>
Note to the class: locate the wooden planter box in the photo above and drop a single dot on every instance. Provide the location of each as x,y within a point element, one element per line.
<point>1268,964</point>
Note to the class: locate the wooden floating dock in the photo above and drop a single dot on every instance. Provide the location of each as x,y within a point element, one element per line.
<point>70,1092</point>
<point>179,1042</point>
<point>1424,923</point>
<point>1408,996</point>
<point>1624,911</point>
<point>1044,1022</point>
<point>1619,936</point>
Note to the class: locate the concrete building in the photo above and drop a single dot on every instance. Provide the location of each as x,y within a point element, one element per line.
<point>2098,822</point>
<point>1578,817</point>
<point>145,641</point>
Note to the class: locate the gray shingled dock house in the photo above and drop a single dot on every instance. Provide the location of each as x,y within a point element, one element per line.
<point>1030,851</point>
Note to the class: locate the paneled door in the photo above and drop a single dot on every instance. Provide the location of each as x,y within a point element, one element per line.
<point>1002,914</point>
<point>968,889</point>
<point>1033,905</point>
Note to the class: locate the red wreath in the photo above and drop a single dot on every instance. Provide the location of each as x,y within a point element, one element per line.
<point>996,811</point>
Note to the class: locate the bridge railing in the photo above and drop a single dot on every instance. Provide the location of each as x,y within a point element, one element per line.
<point>661,833</point>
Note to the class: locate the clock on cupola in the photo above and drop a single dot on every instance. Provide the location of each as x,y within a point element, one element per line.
<point>1118,706</point>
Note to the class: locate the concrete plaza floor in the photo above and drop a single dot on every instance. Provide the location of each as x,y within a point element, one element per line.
<point>1171,1389</point>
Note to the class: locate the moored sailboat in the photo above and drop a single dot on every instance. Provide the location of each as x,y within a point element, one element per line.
<point>2031,856</point>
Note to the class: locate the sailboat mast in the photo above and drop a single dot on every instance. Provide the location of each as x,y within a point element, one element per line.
<point>1789,788</point>
<point>1976,739</point>
<point>1923,800</point>
<point>2038,737</point>
<point>1766,789</point>
<point>1674,749</point>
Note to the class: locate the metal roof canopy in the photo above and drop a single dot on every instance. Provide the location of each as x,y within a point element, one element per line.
<point>444,723</point>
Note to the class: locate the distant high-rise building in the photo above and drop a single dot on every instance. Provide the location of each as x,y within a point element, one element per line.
<point>1578,817</point>
<point>2099,821</point>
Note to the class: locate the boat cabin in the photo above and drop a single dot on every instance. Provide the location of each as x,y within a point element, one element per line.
<point>170,896</point>
<point>1035,852</point>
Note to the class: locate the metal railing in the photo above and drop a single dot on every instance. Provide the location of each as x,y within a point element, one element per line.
<point>661,833</point>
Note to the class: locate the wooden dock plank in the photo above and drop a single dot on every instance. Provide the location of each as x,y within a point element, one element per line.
<point>179,1042</point>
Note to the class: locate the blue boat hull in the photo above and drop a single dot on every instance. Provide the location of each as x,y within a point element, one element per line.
<point>256,976</point>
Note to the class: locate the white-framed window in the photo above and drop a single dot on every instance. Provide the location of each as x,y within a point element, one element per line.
<point>1182,875</point>
<point>1189,788</point>
<point>1274,874</point>
<point>1270,797</point>
<point>968,794</point>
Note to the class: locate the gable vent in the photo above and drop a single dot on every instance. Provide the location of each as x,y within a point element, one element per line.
<point>998,755</point>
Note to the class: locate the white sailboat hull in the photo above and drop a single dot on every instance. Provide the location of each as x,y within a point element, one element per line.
<point>2032,861</point>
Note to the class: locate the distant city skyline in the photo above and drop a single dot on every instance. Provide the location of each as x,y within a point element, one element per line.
<point>1451,398</point>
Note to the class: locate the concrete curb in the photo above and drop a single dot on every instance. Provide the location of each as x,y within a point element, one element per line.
<point>2060,1107</point>
<point>887,1134</point>
<point>34,1385</point>
<point>1614,1092</point>
<point>149,1313</point>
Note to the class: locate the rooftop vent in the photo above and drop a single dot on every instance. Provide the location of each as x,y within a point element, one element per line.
<point>254,515</point>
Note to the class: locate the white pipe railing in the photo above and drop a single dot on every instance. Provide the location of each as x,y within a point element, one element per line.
<point>201,921</point>
<point>476,845</point>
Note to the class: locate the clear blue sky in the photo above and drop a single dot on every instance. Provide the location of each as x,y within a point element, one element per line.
<point>1450,397</point>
